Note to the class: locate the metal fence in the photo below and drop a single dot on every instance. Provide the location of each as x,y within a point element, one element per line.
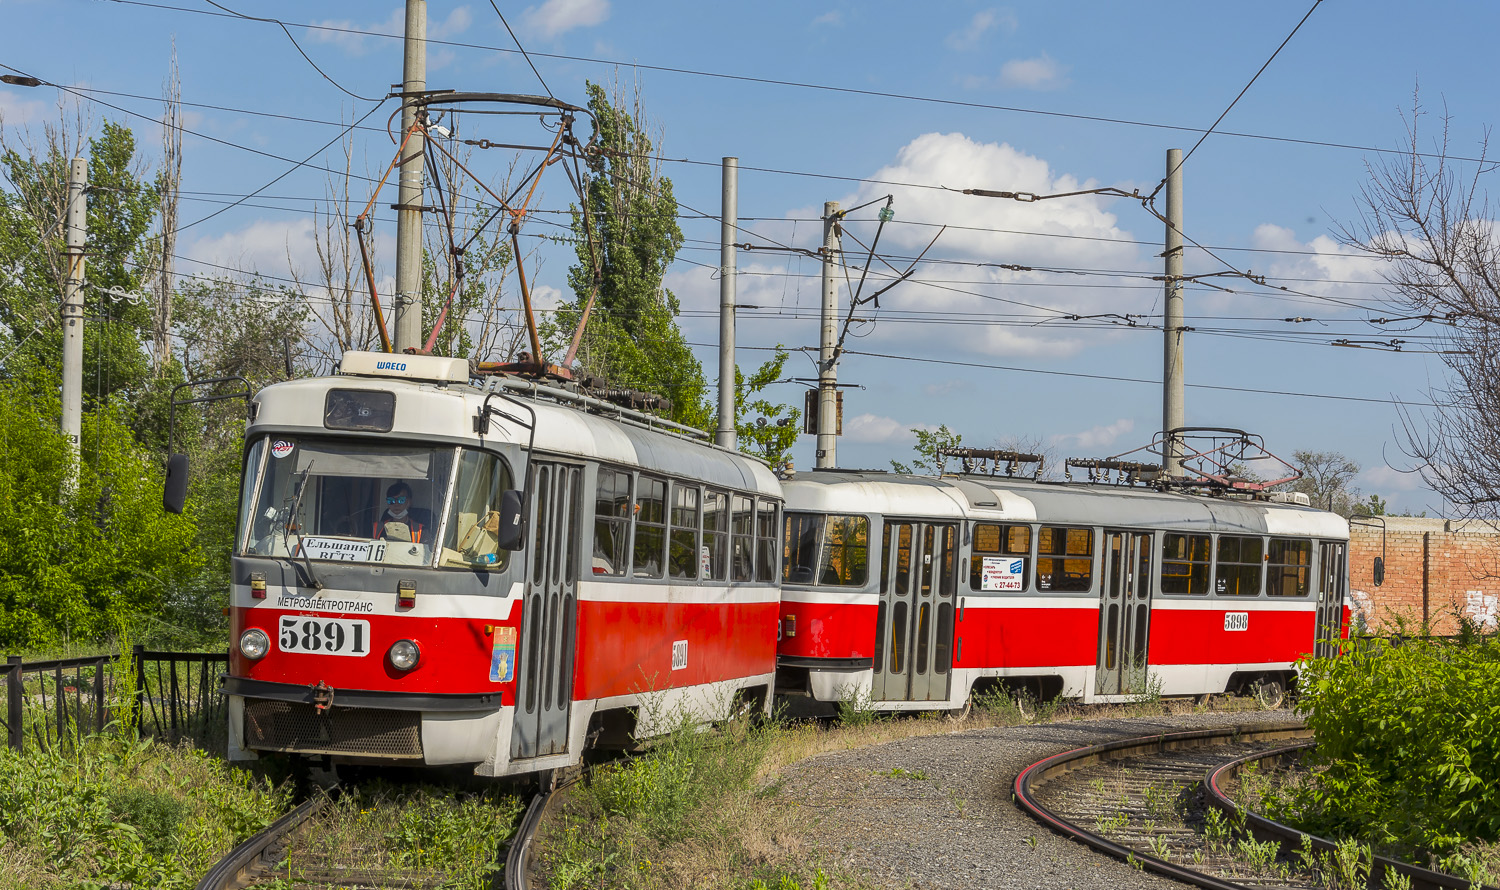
<point>170,696</point>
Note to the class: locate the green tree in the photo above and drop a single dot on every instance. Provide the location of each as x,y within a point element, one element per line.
<point>773,430</point>
<point>78,561</point>
<point>625,236</point>
<point>929,442</point>
<point>122,201</point>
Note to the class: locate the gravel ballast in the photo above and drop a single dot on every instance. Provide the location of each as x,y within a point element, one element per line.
<point>936,811</point>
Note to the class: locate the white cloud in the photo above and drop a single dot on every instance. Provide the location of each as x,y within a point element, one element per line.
<point>1383,480</point>
<point>345,31</point>
<point>16,111</point>
<point>556,17</point>
<point>984,21</point>
<point>877,429</point>
<point>1096,437</point>
<point>267,246</point>
<point>1040,73</point>
<point>1322,266</point>
<point>833,18</point>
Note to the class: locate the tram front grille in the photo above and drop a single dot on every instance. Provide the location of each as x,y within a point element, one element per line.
<point>297,727</point>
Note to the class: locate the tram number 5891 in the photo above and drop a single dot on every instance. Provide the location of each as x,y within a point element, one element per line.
<point>324,636</point>
<point>1236,620</point>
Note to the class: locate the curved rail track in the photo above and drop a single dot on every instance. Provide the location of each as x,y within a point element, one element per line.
<point>1159,803</point>
<point>260,857</point>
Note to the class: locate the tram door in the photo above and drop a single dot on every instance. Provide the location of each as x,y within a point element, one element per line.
<point>1331,567</point>
<point>1124,614</point>
<point>544,682</point>
<point>914,624</point>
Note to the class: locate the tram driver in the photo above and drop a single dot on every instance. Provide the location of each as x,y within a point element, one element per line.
<point>401,520</point>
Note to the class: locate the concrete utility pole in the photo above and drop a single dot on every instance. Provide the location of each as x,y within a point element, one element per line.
<point>1173,412</point>
<point>827,376</point>
<point>409,197</point>
<point>728,226</point>
<point>75,235</point>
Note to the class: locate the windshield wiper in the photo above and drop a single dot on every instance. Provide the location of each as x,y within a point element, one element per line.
<point>296,517</point>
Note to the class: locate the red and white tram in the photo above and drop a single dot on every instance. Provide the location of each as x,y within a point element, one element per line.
<point>912,591</point>
<point>378,616</point>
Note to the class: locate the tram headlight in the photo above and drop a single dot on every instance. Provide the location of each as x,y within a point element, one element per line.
<point>404,655</point>
<point>254,644</point>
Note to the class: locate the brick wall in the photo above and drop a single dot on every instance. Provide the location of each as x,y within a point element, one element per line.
<point>1435,570</point>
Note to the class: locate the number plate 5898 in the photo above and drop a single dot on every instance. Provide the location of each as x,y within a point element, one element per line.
<point>324,636</point>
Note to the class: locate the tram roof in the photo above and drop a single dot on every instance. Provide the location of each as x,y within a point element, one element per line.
<point>437,412</point>
<point>1071,503</point>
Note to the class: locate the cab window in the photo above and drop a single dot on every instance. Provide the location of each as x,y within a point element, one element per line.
<point>1289,567</point>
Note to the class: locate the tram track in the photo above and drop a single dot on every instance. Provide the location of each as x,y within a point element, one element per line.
<point>1159,802</point>
<point>265,856</point>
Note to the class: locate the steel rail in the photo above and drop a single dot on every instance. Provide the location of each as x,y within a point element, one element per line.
<point>230,872</point>
<point>1265,829</point>
<point>518,859</point>
<point>1038,774</point>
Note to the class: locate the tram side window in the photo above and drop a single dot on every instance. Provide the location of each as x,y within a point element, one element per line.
<point>472,537</point>
<point>766,555</point>
<point>1289,567</point>
<point>1000,557</point>
<point>683,557</point>
<point>1238,571</point>
<point>716,535</point>
<point>1065,559</point>
<point>742,538</point>
<point>650,526</point>
<point>1184,564</point>
<point>611,523</point>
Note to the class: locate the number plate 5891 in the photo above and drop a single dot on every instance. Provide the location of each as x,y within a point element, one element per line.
<point>324,636</point>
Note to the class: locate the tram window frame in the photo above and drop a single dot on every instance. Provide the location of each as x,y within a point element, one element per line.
<point>715,546</point>
<point>1187,559</point>
<point>741,537</point>
<point>1004,548</point>
<point>1278,571</point>
<point>1234,544</point>
<point>654,523</point>
<point>767,544</point>
<point>482,476</point>
<point>616,555</point>
<point>684,531</point>
<point>1052,557</point>
<point>811,561</point>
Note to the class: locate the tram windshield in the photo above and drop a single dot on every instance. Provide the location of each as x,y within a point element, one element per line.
<point>353,500</point>
<point>830,551</point>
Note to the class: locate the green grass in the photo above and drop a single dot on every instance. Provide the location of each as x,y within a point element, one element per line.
<point>116,811</point>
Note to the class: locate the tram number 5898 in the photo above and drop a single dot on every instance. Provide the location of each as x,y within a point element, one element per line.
<point>324,636</point>
<point>1236,620</point>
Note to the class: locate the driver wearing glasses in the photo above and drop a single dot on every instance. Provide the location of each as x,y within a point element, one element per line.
<point>401,521</point>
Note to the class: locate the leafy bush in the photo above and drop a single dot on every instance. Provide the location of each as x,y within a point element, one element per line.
<point>1408,755</point>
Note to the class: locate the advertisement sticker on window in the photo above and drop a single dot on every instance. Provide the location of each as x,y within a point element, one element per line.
<point>1003,573</point>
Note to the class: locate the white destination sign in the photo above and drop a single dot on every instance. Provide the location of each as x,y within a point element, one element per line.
<point>1003,573</point>
<point>343,549</point>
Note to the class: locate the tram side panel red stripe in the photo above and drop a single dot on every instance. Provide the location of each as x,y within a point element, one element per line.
<point>829,630</point>
<point>626,648</point>
<point>1026,637</point>
<point>1197,636</point>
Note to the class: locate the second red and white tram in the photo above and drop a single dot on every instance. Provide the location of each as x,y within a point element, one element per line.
<point>379,614</point>
<point>911,591</point>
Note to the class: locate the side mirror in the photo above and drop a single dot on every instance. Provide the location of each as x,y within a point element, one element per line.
<point>174,492</point>
<point>508,537</point>
<point>1379,570</point>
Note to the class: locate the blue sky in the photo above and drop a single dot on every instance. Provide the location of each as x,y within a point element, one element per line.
<point>1271,204</point>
